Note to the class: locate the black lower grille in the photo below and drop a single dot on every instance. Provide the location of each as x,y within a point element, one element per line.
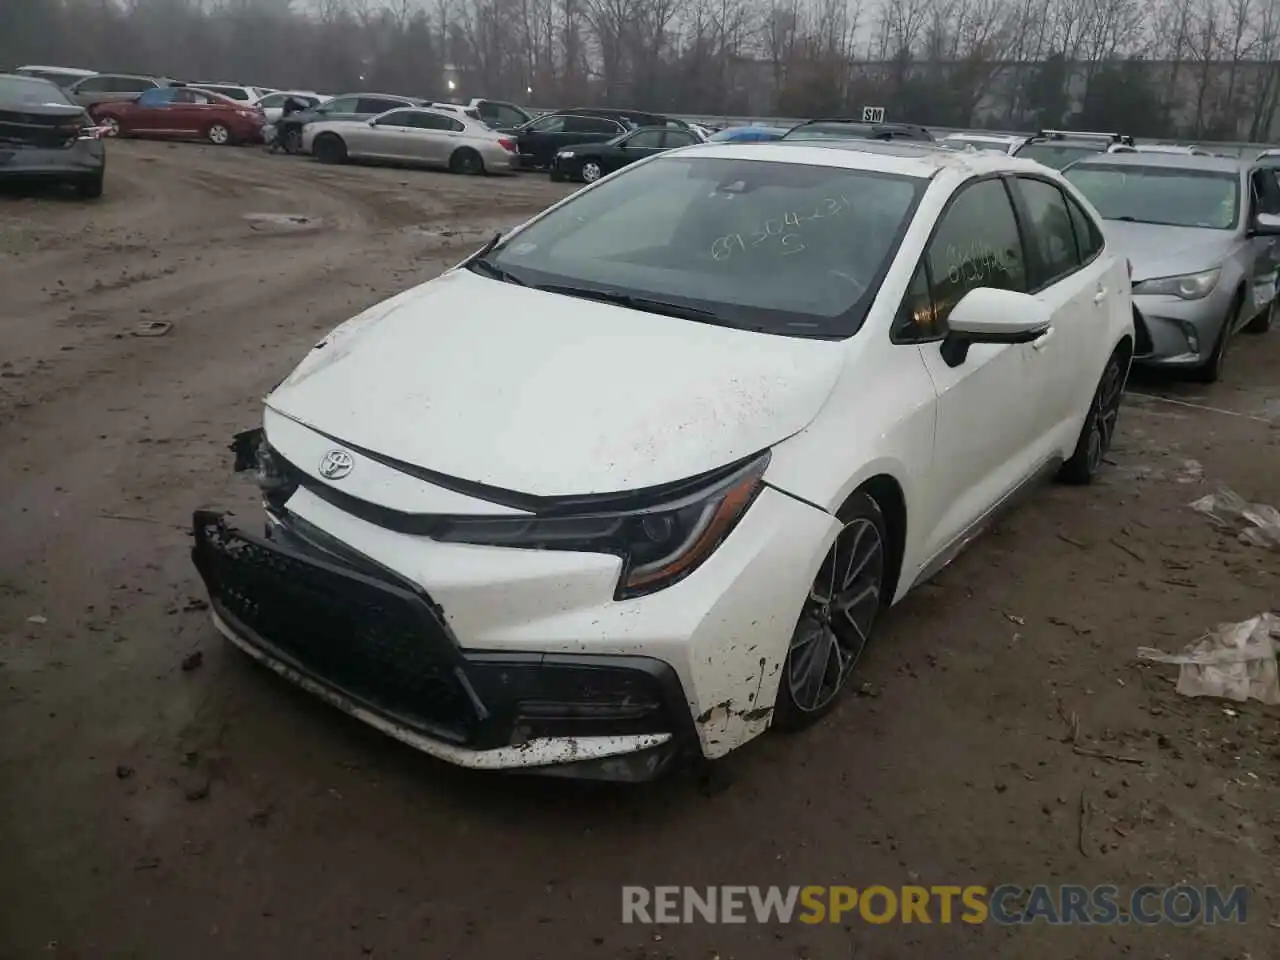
<point>376,641</point>
<point>1142,337</point>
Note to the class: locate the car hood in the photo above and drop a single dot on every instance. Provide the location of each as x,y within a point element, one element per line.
<point>1161,251</point>
<point>548,395</point>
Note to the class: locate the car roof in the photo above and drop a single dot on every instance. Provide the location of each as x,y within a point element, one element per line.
<point>1180,161</point>
<point>985,137</point>
<point>909,158</point>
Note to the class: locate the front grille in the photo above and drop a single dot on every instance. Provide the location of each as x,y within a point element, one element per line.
<point>37,130</point>
<point>378,642</point>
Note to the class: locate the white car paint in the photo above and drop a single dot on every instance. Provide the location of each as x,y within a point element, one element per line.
<point>1005,143</point>
<point>535,392</point>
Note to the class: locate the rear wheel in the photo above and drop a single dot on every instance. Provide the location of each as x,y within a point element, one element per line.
<point>219,134</point>
<point>329,148</point>
<point>1099,428</point>
<point>467,162</point>
<point>1262,322</point>
<point>837,617</point>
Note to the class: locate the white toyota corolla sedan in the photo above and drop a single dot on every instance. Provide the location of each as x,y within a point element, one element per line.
<point>637,480</point>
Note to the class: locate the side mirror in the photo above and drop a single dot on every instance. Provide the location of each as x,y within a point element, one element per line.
<point>1266,225</point>
<point>990,315</point>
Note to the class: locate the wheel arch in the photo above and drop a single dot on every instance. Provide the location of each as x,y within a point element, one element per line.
<point>888,494</point>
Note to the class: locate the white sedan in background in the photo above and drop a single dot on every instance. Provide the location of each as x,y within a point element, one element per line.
<point>272,105</point>
<point>413,135</point>
<point>637,481</point>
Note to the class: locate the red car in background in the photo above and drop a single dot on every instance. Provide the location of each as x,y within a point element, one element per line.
<point>183,112</point>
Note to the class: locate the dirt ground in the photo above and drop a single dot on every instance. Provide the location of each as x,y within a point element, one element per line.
<point>147,810</point>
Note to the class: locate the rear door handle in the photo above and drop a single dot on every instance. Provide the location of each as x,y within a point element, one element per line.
<point>1041,341</point>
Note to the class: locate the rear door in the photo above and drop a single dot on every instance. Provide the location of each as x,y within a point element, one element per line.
<point>537,141</point>
<point>988,427</point>
<point>1071,275</point>
<point>436,137</point>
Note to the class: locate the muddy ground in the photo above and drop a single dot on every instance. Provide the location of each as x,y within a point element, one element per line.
<point>147,810</point>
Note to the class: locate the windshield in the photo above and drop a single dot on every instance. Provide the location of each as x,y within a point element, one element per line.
<point>785,248</point>
<point>1165,195</point>
<point>31,91</point>
<point>1058,155</point>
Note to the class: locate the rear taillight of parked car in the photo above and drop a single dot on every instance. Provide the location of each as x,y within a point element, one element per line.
<point>507,144</point>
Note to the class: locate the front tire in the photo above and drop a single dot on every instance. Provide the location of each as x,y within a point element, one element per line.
<point>1099,430</point>
<point>1263,321</point>
<point>329,148</point>
<point>591,171</point>
<point>837,618</point>
<point>113,126</point>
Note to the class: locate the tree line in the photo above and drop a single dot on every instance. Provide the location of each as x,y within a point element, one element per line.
<point>1196,69</point>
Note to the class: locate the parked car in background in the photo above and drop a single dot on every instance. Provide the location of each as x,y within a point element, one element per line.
<point>840,129</point>
<point>61,76</point>
<point>748,134</point>
<point>589,162</point>
<point>45,136</point>
<point>628,118</point>
<point>1200,234</point>
<point>233,91</point>
<point>1005,143</point>
<point>113,88</point>
<point>346,106</point>
<point>183,112</point>
<point>272,104</point>
<point>498,114</point>
<point>1058,148</point>
<point>540,140</point>
<point>774,390</point>
<point>703,131</point>
<point>1159,148</point>
<point>413,135</point>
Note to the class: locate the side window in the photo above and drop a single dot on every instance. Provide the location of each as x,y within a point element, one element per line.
<point>1088,236</point>
<point>678,138</point>
<point>431,121</point>
<point>184,95</point>
<point>976,245</point>
<point>272,100</point>
<point>917,321</point>
<point>506,116</point>
<point>131,84</point>
<point>94,85</point>
<point>456,126</point>
<point>400,118</point>
<point>553,124</point>
<point>1049,231</point>
<point>646,139</point>
<point>342,105</point>
<point>157,97</point>
<point>235,93</point>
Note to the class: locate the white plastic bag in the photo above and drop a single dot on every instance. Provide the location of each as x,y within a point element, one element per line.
<point>1227,508</point>
<point>1236,661</point>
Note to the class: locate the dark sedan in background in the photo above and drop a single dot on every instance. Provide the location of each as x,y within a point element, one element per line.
<point>44,136</point>
<point>589,162</point>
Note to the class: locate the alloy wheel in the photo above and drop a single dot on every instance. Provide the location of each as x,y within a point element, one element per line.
<point>837,617</point>
<point>218,134</point>
<point>1105,414</point>
<point>112,126</point>
<point>591,171</point>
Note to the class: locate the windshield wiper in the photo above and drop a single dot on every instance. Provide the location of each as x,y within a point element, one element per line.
<point>491,269</point>
<point>631,301</point>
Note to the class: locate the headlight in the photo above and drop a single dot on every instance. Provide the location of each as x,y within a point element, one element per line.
<point>565,154</point>
<point>660,544</point>
<point>1189,286</point>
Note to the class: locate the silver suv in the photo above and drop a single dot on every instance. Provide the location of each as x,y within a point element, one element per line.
<point>113,88</point>
<point>1201,237</point>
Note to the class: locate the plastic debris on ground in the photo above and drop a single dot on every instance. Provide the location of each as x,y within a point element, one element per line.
<point>1236,661</point>
<point>1228,509</point>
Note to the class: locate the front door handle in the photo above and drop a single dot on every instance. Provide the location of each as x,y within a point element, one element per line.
<point>1041,341</point>
<point>1100,295</point>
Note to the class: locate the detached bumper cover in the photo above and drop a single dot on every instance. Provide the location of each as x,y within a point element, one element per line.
<point>379,648</point>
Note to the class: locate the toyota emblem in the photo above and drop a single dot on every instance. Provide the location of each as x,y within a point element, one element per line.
<point>336,464</point>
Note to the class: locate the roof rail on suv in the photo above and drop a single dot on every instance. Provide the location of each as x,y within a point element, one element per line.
<point>1083,135</point>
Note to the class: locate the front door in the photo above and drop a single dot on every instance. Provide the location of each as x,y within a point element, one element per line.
<point>644,143</point>
<point>987,433</point>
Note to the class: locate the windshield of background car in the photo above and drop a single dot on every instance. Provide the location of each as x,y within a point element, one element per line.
<point>785,248</point>
<point>29,90</point>
<point>1163,195</point>
<point>1058,155</point>
<point>828,131</point>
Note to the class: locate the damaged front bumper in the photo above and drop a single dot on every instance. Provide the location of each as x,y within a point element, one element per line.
<point>366,641</point>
